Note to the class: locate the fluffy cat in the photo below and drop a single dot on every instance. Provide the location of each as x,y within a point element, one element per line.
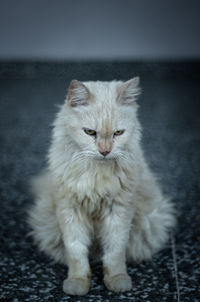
<point>98,196</point>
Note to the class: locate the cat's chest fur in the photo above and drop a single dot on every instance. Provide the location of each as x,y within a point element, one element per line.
<point>97,182</point>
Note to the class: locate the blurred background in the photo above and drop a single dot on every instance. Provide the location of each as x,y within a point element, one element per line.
<point>99,30</point>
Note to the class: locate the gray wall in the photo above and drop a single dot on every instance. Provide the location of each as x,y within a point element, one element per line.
<point>103,29</point>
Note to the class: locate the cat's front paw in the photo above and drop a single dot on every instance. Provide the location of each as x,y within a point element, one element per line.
<point>118,283</point>
<point>76,286</point>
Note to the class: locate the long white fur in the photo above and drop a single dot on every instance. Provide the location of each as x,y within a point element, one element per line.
<point>84,198</point>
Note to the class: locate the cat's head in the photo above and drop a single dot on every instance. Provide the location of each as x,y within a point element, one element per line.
<point>102,120</point>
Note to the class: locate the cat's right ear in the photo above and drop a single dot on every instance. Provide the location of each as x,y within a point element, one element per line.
<point>129,92</point>
<point>78,94</point>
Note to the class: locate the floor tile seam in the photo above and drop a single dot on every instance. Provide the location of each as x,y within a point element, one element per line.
<point>175,266</point>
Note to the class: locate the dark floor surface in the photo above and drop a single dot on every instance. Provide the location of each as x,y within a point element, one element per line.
<point>170,115</point>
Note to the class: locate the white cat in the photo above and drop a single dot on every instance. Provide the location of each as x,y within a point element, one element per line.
<point>98,190</point>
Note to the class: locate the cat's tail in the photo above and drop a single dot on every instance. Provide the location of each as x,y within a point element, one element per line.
<point>43,220</point>
<point>151,229</point>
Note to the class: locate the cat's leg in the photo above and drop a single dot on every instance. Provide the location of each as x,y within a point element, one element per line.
<point>76,241</point>
<point>114,234</point>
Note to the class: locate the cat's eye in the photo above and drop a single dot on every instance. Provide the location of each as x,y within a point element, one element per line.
<point>118,132</point>
<point>89,132</point>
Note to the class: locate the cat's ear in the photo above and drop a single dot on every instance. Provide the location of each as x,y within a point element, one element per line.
<point>78,94</point>
<point>129,91</point>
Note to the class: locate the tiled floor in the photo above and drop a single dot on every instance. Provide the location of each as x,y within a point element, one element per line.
<point>169,112</point>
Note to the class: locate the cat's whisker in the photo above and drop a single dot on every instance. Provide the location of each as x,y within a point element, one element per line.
<point>60,164</point>
<point>120,155</point>
<point>82,155</point>
<point>76,157</point>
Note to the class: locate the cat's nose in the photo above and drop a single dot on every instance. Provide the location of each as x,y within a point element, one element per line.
<point>104,153</point>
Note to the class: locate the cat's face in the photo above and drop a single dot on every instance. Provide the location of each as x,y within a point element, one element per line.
<point>103,117</point>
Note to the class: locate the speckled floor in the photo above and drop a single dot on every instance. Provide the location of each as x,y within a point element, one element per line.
<point>169,112</point>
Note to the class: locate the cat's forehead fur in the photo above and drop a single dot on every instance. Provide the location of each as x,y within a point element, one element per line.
<point>104,92</point>
<point>105,113</point>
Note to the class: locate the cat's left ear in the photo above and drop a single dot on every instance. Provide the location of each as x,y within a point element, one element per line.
<point>129,91</point>
<point>78,94</point>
